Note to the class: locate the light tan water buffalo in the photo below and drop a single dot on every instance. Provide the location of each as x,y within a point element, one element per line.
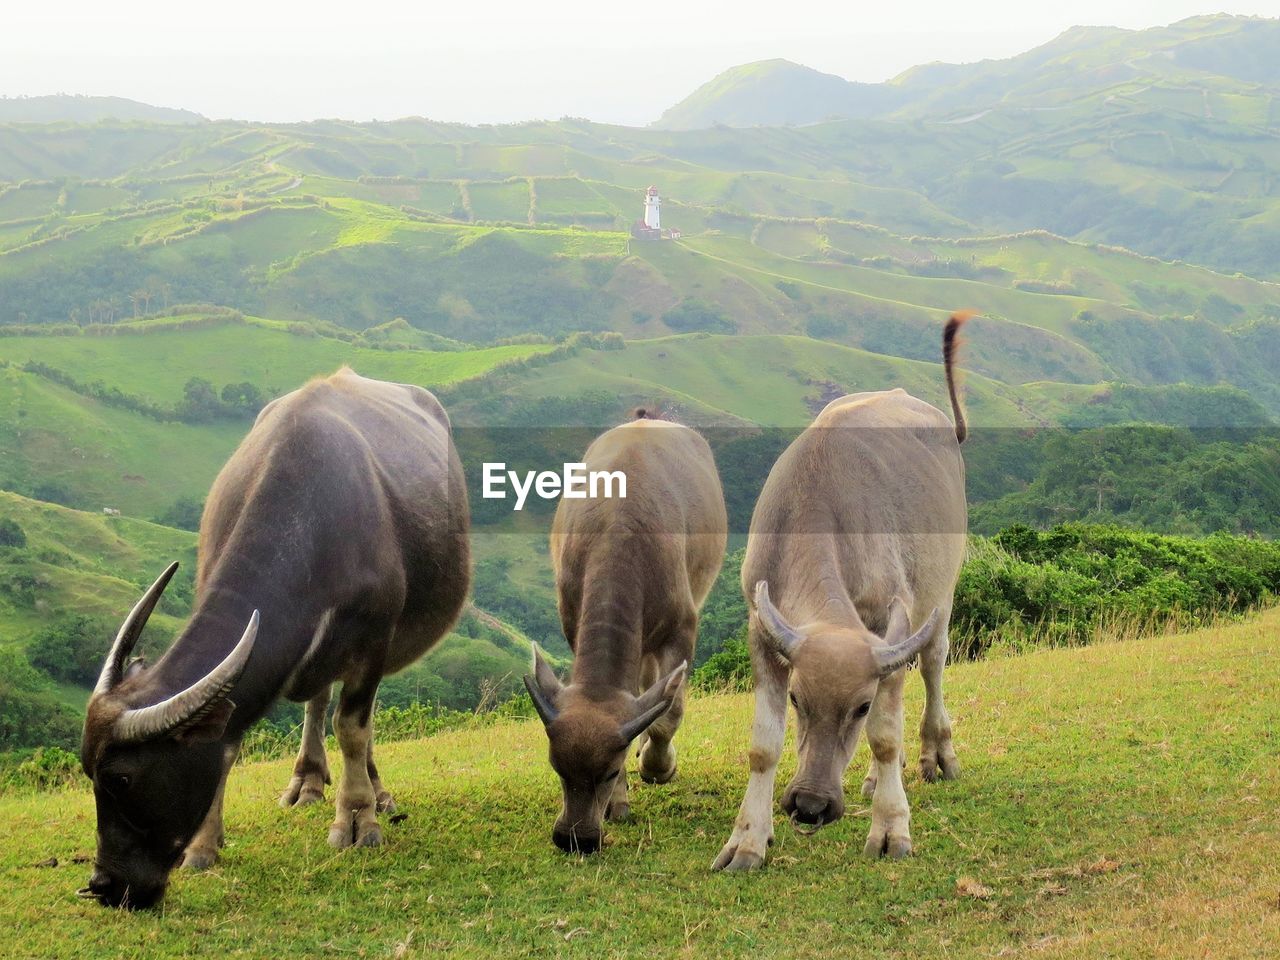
<point>632,574</point>
<point>855,546</point>
<point>337,533</point>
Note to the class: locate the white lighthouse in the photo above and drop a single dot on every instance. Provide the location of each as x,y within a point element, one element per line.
<point>651,203</point>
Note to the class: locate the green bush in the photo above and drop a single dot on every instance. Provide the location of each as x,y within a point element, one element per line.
<point>1059,587</point>
<point>184,514</point>
<point>72,650</point>
<point>692,314</point>
<point>11,534</point>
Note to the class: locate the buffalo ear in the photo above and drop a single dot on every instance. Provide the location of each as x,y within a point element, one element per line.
<point>543,674</point>
<point>899,622</point>
<point>544,687</point>
<point>135,667</point>
<point>655,701</point>
<point>208,725</point>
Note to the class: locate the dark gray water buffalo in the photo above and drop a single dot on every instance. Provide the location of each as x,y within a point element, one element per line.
<point>632,574</point>
<point>855,546</point>
<point>333,547</point>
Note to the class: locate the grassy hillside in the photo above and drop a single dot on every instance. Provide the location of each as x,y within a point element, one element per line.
<point>73,448</point>
<point>75,564</point>
<point>736,380</point>
<point>860,232</point>
<point>1099,814</point>
<point>157,361</point>
<point>85,563</point>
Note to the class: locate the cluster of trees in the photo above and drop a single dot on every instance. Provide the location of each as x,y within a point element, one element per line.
<point>30,713</point>
<point>201,401</point>
<point>1167,479</point>
<point>695,315</point>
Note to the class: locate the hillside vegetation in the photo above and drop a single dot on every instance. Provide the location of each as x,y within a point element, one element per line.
<point>1009,186</point>
<point>68,577</point>
<point>1098,814</point>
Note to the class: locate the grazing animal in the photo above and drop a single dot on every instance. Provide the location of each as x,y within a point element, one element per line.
<point>631,575</point>
<point>857,537</point>
<point>333,547</point>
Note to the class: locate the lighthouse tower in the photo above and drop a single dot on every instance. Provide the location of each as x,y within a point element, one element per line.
<point>651,203</point>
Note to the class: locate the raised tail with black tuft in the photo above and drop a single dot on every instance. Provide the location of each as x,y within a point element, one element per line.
<point>950,343</point>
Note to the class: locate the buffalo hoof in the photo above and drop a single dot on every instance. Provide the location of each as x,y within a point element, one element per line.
<point>939,766</point>
<point>618,812</point>
<point>303,791</point>
<point>386,803</point>
<point>656,769</point>
<point>362,830</point>
<point>885,843</point>
<point>199,858</point>
<point>738,856</point>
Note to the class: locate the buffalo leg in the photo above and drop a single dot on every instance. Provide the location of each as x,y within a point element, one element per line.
<point>753,830</point>
<point>202,851</point>
<point>311,770</point>
<point>937,754</point>
<point>385,802</point>
<point>356,820</point>
<point>658,757</point>
<point>890,815</point>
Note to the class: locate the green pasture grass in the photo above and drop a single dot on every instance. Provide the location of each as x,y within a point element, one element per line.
<point>1115,801</point>
<point>725,269</point>
<point>29,200</point>
<point>1051,313</point>
<point>108,457</point>
<point>506,200</point>
<point>157,364</point>
<point>94,198</point>
<point>770,380</point>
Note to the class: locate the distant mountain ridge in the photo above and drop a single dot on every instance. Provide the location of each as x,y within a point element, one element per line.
<point>68,108</point>
<point>775,93</point>
<point>1218,54</point>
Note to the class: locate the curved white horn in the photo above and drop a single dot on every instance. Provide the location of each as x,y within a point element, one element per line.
<point>889,657</point>
<point>160,719</point>
<point>127,638</point>
<point>783,637</point>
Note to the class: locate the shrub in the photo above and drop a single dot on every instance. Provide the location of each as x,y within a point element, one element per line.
<point>184,513</point>
<point>11,534</point>
<point>1063,586</point>
<point>692,314</point>
<point>72,650</point>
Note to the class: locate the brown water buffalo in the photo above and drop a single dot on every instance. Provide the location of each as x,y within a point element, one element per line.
<point>855,546</point>
<point>333,547</point>
<point>632,574</point>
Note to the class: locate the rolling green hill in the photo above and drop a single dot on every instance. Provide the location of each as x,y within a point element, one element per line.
<point>861,231</point>
<point>1099,814</point>
<point>1207,66</point>
<point>80,566</point>
<point>776,93</point>
<point>86,563</point>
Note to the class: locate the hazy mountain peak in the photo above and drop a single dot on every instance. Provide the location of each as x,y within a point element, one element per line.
<point>775,93</point>
<point>62,107</point>
<point>1081,61</point>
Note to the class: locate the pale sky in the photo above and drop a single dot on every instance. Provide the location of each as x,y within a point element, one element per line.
<point>494,61</point>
